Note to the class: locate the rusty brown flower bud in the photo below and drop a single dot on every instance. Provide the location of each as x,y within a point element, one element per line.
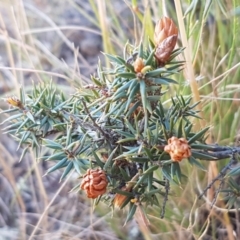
<point>138,65</point>
<point>178,149</point>
<point>94,183</point>
<point>119,199</point>
<point>164,28</point>
<point>15,102</point>
<point>164,50</point>
<point>165,38</point>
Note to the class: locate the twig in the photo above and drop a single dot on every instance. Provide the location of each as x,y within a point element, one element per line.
<point>94,122</point>
<point>80,122</point>
<point>167,188</point>
<point>218,154</point>
<point>222,173</point>
<point>217,192</point>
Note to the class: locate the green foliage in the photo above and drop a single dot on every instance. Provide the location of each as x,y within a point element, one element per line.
<point>212,28</point>
<point>119,116</point>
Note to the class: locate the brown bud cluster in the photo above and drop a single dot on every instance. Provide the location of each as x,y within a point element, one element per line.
<point>138,65</point>
<point>165,38</point>
<point>178,149</point>
<point>94,183</point>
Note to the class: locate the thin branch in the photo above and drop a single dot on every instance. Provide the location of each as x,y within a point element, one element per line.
<point>222,173</point>
<point>94,122</point>
<point>167,189</point>
<point>219,154</point>
<point>217,192</point>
